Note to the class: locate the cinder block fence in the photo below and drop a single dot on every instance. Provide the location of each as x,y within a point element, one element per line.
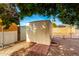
<point>9,37</point>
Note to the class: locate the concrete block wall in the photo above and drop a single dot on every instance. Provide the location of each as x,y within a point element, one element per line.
<point>22,33</point>
<point>9,37</point>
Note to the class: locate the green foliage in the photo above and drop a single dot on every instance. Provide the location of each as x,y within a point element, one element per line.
<point>69,13</point>
<point>37,8</point>
<point>8,15</point>
<point>54,24</point>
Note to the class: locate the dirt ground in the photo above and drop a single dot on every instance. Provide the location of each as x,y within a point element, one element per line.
<point>65,47</point>
<point>9,49</point>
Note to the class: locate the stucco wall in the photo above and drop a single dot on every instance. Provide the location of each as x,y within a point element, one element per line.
<point>65,32</point>
<point>38,32</point>
<point>76,34</point>
<point>9,37</point>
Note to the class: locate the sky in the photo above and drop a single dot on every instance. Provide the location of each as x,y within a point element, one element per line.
<point>38,18</point>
